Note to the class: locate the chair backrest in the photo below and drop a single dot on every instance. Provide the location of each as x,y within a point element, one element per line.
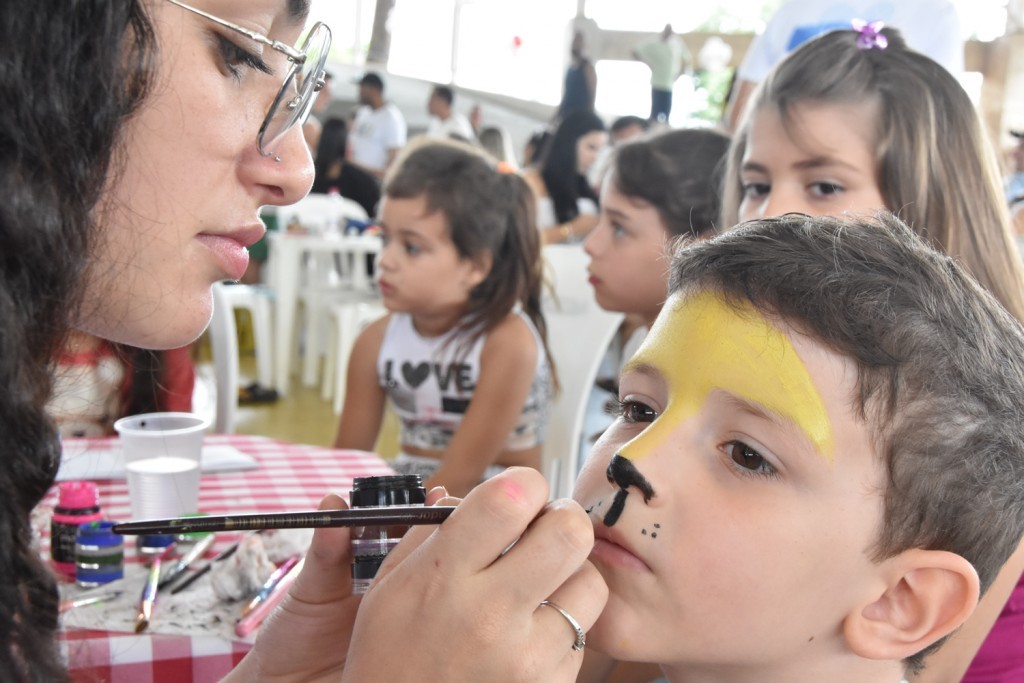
<point>314,211</point>
<point>579,332</point>
<point>224,343</point>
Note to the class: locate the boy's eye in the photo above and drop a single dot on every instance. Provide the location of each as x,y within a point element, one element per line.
<point>412,249</point>
<point>618,230</point>
<point>748,459</point>
<point>634,411</point>
<point>235,58</point>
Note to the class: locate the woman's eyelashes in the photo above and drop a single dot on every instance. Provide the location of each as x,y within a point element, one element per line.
<point>236,58</point>
<point>748,461</point>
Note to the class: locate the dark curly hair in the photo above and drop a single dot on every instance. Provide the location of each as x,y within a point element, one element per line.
<point>71,73</point>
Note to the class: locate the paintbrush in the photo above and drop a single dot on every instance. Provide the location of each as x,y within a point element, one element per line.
<point>253,619</point>
<point>148,597</point>
<point>269,585</point>
<point>394,515</point>
<point>191,578</point>
<point>87,599</point>
<point>197,551</point>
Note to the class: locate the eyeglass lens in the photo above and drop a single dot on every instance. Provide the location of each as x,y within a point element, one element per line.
<point>298,92</point>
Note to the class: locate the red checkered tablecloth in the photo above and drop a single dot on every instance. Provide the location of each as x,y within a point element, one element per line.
<point>289,477</point>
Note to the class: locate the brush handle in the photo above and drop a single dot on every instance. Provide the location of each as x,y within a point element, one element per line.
<point>394,515</point>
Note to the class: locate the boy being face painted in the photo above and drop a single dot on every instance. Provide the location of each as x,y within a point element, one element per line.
<point>812,444</point>
<point>763,487</point>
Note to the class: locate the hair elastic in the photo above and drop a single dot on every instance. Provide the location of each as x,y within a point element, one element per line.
<point>505,167</point>
<point>870,34</point>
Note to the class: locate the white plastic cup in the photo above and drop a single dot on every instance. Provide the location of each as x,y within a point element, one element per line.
<point>163,487</point>
<point>156,435</point>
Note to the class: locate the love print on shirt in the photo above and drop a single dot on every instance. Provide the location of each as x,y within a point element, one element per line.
<point>416,374</point>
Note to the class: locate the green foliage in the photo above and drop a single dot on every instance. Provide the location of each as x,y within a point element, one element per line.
<point>712,93</point>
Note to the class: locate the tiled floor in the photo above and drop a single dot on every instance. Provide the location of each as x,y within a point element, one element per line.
<point>300,417</point>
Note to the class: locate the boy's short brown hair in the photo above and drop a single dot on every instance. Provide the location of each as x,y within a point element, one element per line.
<point>940,367</point>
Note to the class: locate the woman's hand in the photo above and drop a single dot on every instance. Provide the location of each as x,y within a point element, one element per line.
<point>457,603</point>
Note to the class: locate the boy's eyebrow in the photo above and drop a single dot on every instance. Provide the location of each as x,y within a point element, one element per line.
<point>639,367</point>
<point>761,412</point>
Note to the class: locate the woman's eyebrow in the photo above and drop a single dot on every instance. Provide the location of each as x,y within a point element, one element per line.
<point>298,10</point>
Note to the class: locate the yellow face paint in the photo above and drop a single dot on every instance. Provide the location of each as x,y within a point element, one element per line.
<point>700,343</point>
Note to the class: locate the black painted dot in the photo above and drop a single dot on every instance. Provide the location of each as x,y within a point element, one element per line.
<point>657,526</point>
<point>654,534</point>
<point>643,531</point>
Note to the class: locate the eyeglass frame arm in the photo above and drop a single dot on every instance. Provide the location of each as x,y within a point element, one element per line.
<point>293,54</point>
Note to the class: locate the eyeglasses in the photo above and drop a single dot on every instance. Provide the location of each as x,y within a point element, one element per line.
<point>305,78</point>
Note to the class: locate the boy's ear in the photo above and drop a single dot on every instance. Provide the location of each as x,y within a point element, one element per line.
<point>926,595</point>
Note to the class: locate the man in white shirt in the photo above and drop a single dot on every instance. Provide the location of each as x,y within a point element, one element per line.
<point>666,56</point>
<point>378,131</point>
<point>932,27</point>
<point>444,122</point>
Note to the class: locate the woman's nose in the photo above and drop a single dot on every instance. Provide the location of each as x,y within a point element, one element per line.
<point>285,176</point>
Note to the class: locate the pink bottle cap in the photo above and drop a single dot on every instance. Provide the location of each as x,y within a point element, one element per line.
<point>77,494</point>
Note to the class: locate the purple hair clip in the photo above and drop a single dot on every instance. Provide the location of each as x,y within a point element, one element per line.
<point>870,34</point>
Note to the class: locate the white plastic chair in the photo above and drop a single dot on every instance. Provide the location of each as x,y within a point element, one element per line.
<point>224,343</point>
<point>579,332</point>
<point>315,210</point>
<point>346,321</point>
<point>330,277</point>
<point>317,303</point>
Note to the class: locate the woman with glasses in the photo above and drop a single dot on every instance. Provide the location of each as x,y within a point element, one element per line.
<point>140,138</point>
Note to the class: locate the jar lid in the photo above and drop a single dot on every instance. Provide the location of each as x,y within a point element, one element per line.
<point>402,489</point>
<point>99,533</point>
<point>155,541</point>
<point>77,494</point>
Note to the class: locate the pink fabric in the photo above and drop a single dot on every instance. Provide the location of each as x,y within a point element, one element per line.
<point>1001,657</point>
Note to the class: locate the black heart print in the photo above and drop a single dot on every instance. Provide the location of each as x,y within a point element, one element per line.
<point>415,374</point>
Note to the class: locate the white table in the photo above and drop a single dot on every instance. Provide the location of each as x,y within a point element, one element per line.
<point>285,261</point>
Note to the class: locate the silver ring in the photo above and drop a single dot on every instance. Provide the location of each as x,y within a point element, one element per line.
<point>581,639</point>
<point>277,159</point>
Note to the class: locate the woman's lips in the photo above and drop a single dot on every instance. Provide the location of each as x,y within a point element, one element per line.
<point>230,248</point>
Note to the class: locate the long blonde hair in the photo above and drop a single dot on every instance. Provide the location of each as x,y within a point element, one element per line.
<point>935,166</point>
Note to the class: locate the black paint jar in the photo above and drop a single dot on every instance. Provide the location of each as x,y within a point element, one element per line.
<point>371,544</point>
